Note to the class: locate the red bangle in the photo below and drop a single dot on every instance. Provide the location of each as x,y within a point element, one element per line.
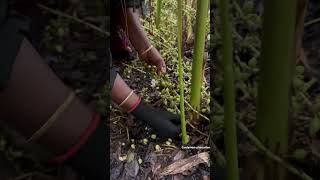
<point>133,107</point>
<point>83,139</point>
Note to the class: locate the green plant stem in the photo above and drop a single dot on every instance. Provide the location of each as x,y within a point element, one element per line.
<point>158,14</point>
<point>181,79</point>
<point>278,51</point>
<point>229,92</point>
<point>197,64</point>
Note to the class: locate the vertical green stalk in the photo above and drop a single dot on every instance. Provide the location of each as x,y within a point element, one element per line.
<point>189,22</point>
<point>197,64</point>
<point>158,14</point>
<point>181,79</point>
<point>229,92</point>
<point>278,53</point>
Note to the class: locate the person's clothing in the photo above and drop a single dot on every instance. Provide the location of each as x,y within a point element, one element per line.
<point>12,28</point>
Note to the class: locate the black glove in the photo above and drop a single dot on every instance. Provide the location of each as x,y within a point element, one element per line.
<point>166,124</point>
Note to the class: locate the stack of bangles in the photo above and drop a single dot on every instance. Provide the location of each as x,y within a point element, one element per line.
<point>133,107</point>
<point>145,52</point>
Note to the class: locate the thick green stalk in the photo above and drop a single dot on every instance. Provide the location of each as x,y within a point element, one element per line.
<point>229,92</point>
<point>197,64</point>
<point>181,79</point>
<point>158,14</point>
<point>278,54</point>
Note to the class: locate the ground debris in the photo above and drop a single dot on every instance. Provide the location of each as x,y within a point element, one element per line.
<point>186,164</point>
<point>131,168</point>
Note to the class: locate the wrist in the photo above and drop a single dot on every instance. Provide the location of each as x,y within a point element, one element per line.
<point>134,106</point>
<point>131,103</point>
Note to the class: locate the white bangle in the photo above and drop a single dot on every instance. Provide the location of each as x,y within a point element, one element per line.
<point>126,99</point>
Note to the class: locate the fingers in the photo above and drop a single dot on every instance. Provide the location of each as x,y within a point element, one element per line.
<point>161,67</point>
<point>175,118</point>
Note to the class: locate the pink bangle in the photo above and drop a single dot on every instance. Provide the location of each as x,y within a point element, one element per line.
<point>134,106</point>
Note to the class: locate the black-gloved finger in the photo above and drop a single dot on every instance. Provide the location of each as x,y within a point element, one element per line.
<point>172,130</point>
<point>163,122</point>
<point>175,118</point>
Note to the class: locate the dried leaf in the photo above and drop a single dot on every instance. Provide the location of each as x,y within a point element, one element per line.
<point>179,155</point>
<point>185,164</point>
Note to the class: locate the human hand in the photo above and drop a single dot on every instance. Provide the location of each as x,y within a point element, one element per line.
<point>153,57</point>
<point>165,123</point>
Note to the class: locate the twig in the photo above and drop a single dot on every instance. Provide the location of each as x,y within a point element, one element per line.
<point>59,13</point>
<point>305,99</point>
<point>201,115</point>
<point>23,176</point>
<point>134,68</point>
<point>200,132</point>
<point>128,135</point>
<point>238,8</point>
<point>271,155</point>
<point>312,22</point>
<point>170,146</point>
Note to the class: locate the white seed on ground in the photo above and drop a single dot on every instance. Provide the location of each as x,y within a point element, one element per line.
<point>145,141</point>
<point>123,158</point>
<point>133,146</point>
<point>153,136</point>
<point>157,147</point>
<point>140,161</point>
